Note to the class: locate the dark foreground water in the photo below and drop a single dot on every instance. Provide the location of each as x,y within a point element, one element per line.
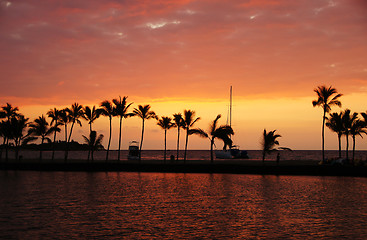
<point>78,205</point>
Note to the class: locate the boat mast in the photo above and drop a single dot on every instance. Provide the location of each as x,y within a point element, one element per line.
<point>230,107</point>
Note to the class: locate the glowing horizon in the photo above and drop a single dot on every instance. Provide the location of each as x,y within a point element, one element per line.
<point>185,54</point>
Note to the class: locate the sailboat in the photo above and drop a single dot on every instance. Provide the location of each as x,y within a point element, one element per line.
<point>233,151</point>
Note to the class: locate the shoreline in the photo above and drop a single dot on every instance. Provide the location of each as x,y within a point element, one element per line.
<point>288,167</point>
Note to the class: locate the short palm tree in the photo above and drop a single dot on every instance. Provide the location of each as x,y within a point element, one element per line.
<point>223,132</point>
<point>179,123</point>
<point>269,143</point>
<point>335,123</point>
<point>326,98</point>
<point>40,128</point>
<point>121,107</point>
<point>55,116</point>
<point>144,113</point>
<point>91,114</point>
<point>356,129</point>
<point>189,121</point>
<point>94,142</point>
<point>348,121</point>
<point>108,110</point>
<point>165,123</point>
<point>18,125</point>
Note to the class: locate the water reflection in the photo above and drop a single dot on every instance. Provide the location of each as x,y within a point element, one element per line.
<point>165,205</point>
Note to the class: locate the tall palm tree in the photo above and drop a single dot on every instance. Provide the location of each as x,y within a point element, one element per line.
<point>94,143</point>
<point>165,123</point>
<point>144,113</point>
<point>335,123</point>
<point>189,121</point>
<point>121,107</point>
<point>91,114</point>
<point>10,111</point>
<point>223,132</point>
<point>75,112</point>
<point>40,128</point>
<point>179,123</point>
<point>357,128</point>
<point>55,116</point>
<point>64,121</point>
<point>269,142</point>
<point>108,110</point>
<point>348,121</point>
<point>326,98</point>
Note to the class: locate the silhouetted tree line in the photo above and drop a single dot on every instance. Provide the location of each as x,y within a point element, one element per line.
<point>345,123</point>
<point>17,131</point>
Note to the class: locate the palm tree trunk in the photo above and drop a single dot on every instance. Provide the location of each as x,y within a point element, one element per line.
<point>71,131</point>
<point>340,145</point>
<point>211,150</point>
<point>92,153</point>
<point>178,141</point>
<point>16,150</point>
<point>90,131</point>
<point>54,144</point>
<point>41,149</point>
<point>347,147</point>
<point>7,150</point>
<point>118,155</point>
<point>354,147</point>
<point>323,137</point>
<point>187,140</point>
<point>165,145</point>
<point>109,139</point>
<point>66,142</point>
<point>141,140</point>
<point>264,153</point>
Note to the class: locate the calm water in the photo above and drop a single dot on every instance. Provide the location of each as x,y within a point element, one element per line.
<point>192,154</point>
<point>74,205</point>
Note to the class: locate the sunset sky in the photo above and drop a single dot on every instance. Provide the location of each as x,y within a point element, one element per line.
<point>177,55</point>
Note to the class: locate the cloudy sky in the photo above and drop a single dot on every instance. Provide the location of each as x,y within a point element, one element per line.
<point>186,54</point>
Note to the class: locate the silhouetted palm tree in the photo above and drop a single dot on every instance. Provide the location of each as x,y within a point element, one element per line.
<point>55,115</point>
<point>348,121</point>
<point>144,113</point>
<point>165,123</point>
<point>75,112</point>
<point>269,142</point>
<point>40,128</point>
<point>94,142</point>
<point>108,110</point>
<point>18,125</point>
<point>189,121</point>
<point>327,97</point>
<point>357,128</point>
<point>179,123</point>
<point>9,112</point>
<point>335,123</point>
<point>65,120</point>
<point>91,114</point>
<point>223,132</point>
<point>121,107</point>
